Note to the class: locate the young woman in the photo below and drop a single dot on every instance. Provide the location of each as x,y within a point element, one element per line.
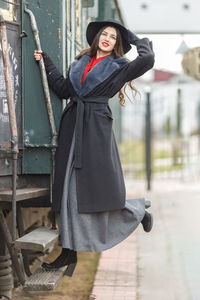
<point>89,189</point>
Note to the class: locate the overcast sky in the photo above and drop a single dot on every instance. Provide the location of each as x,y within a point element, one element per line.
<point>165,47</point>
<point>163,17</point>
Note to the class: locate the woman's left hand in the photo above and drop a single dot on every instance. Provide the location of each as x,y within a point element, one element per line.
<point>38,55</point>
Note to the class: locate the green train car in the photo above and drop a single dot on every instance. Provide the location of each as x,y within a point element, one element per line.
<point>29,120</point>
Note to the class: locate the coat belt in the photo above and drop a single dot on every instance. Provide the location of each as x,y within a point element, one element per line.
<point>81,108</point>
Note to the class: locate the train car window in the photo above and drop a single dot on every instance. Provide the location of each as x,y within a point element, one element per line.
<point>68,4</point>
<point>71,30</point>
<point>9,9</point>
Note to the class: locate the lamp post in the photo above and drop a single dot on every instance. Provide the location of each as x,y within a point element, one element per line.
<point>148,137</point>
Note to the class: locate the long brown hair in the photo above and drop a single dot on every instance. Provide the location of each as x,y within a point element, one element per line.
<point>118,52</point>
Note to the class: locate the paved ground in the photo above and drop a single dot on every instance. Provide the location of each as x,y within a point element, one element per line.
<point>116,277</point>
<point>169,258</point>
<point>162,265</point>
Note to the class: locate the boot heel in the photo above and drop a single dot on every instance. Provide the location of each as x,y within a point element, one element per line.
<point>70,269</point>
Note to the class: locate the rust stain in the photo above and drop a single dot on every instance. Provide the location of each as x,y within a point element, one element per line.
<point>59,33</point>
<point>6,145</point>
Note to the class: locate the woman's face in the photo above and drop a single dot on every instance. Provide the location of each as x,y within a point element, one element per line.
<point>107,39</point>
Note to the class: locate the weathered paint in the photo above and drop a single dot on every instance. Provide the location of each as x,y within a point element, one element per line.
<point>8,83</point>
<point>36,126</point>
<point>13,52</point>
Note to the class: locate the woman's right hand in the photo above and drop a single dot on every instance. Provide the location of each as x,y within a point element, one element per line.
<point>38,55</point>
<point>132,37</point>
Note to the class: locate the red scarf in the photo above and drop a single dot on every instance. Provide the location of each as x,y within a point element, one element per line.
<point>91,64</point>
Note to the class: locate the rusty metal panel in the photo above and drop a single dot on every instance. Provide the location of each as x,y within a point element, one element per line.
<point>14,48</point>
<point>36,129</point>
<point>88,3</point>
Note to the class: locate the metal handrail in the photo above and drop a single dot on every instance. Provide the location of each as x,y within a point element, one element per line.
<point>44,77</point>
<point>48,103</point>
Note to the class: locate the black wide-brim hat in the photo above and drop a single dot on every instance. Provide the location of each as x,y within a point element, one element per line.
<point>94,27</point>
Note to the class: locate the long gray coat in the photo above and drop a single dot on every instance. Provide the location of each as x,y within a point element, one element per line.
<point>100,182</point>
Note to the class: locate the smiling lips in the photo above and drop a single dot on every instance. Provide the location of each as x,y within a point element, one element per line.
<point>105,44</point>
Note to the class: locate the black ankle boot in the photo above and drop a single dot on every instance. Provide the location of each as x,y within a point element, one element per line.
<point>72,261</point>
<point>147,222</point>
<point>67,257</point>
<point>57,261</point>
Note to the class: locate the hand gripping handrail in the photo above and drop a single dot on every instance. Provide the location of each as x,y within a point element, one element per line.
<point>44,77</point>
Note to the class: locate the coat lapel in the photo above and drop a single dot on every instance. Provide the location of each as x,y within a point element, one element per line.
<point>96,76</point>
<point>76,72</point>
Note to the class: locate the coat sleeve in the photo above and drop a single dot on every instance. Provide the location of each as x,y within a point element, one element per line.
<point>56,80</point>
<point>143,62</point>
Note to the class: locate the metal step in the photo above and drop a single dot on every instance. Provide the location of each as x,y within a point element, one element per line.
<point>43,280</point>
<point>23,194</point>
<point>39,239</point>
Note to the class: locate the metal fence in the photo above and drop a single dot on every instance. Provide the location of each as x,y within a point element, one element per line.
<point>164,142</point>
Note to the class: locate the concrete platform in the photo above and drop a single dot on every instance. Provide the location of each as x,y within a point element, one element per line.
<point>163,264</point>
<point>116,277</point>
<point>168,258</point>
<point>116,274</point>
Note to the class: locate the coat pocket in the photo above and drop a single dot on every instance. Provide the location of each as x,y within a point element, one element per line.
<point>103,114</point>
